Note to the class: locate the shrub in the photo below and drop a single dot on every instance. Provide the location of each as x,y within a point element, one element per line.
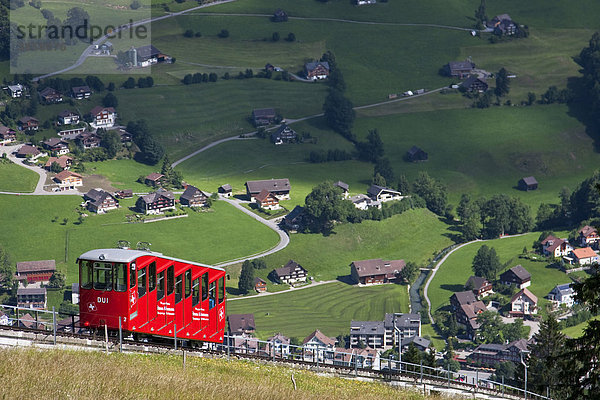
<point>223,34</point>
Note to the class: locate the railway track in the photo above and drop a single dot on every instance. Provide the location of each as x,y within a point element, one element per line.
<point>411,376</point>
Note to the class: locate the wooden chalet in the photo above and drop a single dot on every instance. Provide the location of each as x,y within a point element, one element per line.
<point>28,123</point>
<point>32,297</point>
<point>416,154</point>
<point>284,134</point>
<point>7,135</point>
<point>466,307</point>
<point>100,201</point>
<point>88,140</point>
<point>517,276</point>
<point>193,197</point>
<point>523,303</point>
<point>528,183</point>
<point>460,69</point>
<point>267,200</point>
<point>35,271</point>
<point>81,92</point>
<point>63,161</point>
<point>50,96</point>
<point>588,236</point>
<point>503,25</point>
<point>28,151</point>
<point>474,84</point>
<point>263,116</point>
<point>225,190</point>
<point>103,117</point>
<point>375,271</point>
<point>154,179</point>
<point>316,70</point>
<point>260,285</point>
<point>290,273</point>
<point>156,202</point>
<point>56,145</point>
<point>68,117</point>
<point>279,187</point>
<point>294,220</point>
<point>480,286</point>
<point>68,180</point>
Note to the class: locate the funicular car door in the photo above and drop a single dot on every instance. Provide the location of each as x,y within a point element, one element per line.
<point>187,297</point>
<point>151,295</point>
<point>212,305</point>
<point>220,324</point>
<point>132,294</point>
<point>142,298</point>
<point>179,311</point>
<point>161,296</point>
<point>169,299</point>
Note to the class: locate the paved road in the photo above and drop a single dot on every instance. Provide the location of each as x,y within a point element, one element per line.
<point>283,291</point>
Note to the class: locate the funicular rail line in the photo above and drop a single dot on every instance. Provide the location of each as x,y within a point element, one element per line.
<point>410,375</point>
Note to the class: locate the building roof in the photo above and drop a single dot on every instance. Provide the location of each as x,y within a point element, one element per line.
<point>48,91</point>
<point>288,268</point>
<point>26,119</point>
<point>264,113</point>
<point>585,252</point>
<point>414,150</point>
<point>258,280</point>
<point>264,194</point>
<point>62,161</point>
<point>320,336</point>
<point>378,266</point>
<point>519,272</point>
<point>530,180</point>
<point>155,176</point>
<point>226,187</point>
<point>466,297</point>
<point>312,65</point>
<point>343,185</point>
<point>294,213</point>
<point>191,192</point>
<point>97,196</point>
<point>81,89</point>
<point>29,322</point>
<point>553,243</point>
<point>27,149</point>
<point>279,337</point>
<point>417,340</point>
<point>154,196</point>
<point>35,266</point>
<point>461,65</point>
<point>5,130</point>
<point>476,282</point>
<point>471,80</point>
<point>588,230</point>
<point>241,322</point>
<point>565,289</point>
<point>54,141</point>
<point>525,292</point>
<point>147,51</point>
<point>24,291</point>
<point>272,185</point>
<point>472,309</point>
<point>62,175</point>
<point>402,320</point>
<point>367,328</point>
<point>67,113</point>
<point>375,190</point>
<point>14,88</point>
<point>99,109</point>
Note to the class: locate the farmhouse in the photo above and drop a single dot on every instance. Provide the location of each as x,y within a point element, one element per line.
<point>490,354</point>
<point>193,197</point>
<point>260,285</point>
<point>279,187</point>
<point>156,202</point>
<point>263,116</point>
<point>63,161</point>
<point>31,152</point>
<point>81,92</point>
<point>7,135</point>
<point>280,343</point>
<point>375,271</point>
<point>15,90</point>
<point>51,96</point>
<point>588,236</point>
<point>293,220</point>
<point>284,134</point>
<point>503,25</point>
<point>480,286</point>
<point>267,200</point>
<point>555,247</point>
<point>523,303</point>
<point>67,117</point>
<point>88,140</point>
<point>145,56</point>
<point>583,256</point>
<point>124,194</point>
<point>103,117</point>
<point>344,186</point>
<point>460,69</point>
<point>28,123</point>
<point>528,183</point>
<point>68,180</point>
<point>316,70</point>
<point>466,308</point>
<point>517,276</point>
<point>363,202</point>
<point>562,294</point>
<point>153,179</point>
<point>36,271</point>
<point>474,84</point>
<point>58,146</point>
<point>34,298</point>
<point>100,201</point>
<point>290,273</point>
<point>241,324</point>
<point>225,190</point>
<point>416,154</point>
<point>383,194</point>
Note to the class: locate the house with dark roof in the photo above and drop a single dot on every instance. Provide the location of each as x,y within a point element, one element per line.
<point>260,285</point>
<point>503,24</point>
<point>147,55</point>
<point>369,333</point>
<point>400,326</point>
<point>88,140</point>
<point>81,92</point>
<point>290,273</point>
<point>267,200</point>
<point>36,271</point>
<point>527,183</point>
<point>293,221</point>
<point>241,324</point>
<point>474,84</point>
<point>153,179</point>
<point>56,145</point>
<point>263,116</point>
<point>193,197</point>
<point>415,154</point>
<point>555,247</point>
<point>490,354</point>
<point>481,287</point>
<point>344,186</point>
<point>103,117</point>
<point>419,342</point>
<point>31,297</point>
<point>124,194</point>
<point>68,180</point>
<point>376,271</point>
<point>225,190</point>
<point>466,307</point>
<point>284,134</point>
<point>523,303</point>
<point>588,237</point>
<point>363,202</point>
<point>156,202</point>
<point>7,135</point>
<point>517,276</point>
<point>29,152</point>
<point>50,96</point>
<point>562,294</point>
<point>279,187</point>
<point>460,69</point>
<point>383,194</point>
<point>100,201</point>
<point>68,117</point>
<point>28,123</point>
<point>316,70</point>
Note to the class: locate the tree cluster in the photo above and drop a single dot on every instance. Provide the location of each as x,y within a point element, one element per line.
<point>493,330</point>
<point>321,156</point>
<point>199,78</point>
<point>151,150</point>
<point>246,281</point>
<point>338,110</point>
<point>110,141</point>
<point>589,60</point>
<point>486,263</point>
<point>433,192</point>
<point>172,178</point>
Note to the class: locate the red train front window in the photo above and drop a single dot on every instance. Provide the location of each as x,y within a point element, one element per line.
<point>103,276</point>
<point>120,277</point>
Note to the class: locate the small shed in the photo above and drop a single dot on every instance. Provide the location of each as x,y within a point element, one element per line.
<point>528,183</point>
<point>416,154</point>
<point>225,190</point>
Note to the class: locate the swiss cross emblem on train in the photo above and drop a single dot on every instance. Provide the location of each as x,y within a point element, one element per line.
<point>221,314</point>
<point>92,307</point>
<point>132,298</point>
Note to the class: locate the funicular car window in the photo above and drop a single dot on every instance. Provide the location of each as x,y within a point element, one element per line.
<point>188,283</point>
<point>221,289</point>
<point>102,276</point>
<point>212,294</point>
<point>120,273</point>
<point>205,286</point>
<point>195,292</point>
<point>142,282</point>
<point>132,281</point>
<point>178,288</point>
<point>170,279</point>
<point>152,276</point>
<point>86,274</point>
<point>160,292</point>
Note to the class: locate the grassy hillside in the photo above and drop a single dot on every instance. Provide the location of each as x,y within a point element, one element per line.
<point>14,178</point>
<point>329,308</point>
<point>70,374</point>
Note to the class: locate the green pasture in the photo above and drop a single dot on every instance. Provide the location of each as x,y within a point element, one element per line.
<point>14,178</point>
<point>577,330</point>
<point>454,272</point>
<point>329,308</point>
<point>209,237</point>
<point>123,174</point>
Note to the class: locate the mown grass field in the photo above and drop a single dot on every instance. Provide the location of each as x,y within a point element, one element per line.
<point>14,178</point>
<point>453,274</point>
<point>329,308</point>
<point>87,374</point>
<point>209,237</point>
<point>577,330</point>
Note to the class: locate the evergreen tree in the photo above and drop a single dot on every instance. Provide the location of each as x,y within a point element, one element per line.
<point>409,272</point>
<point>486,263</point>
<point>378,180</point>
<point>502,83</point>
<point>7,271</point>
<point>433,192</point>
<point>339,113</point>
<point>546,352</point>
<point>246,281</point>
<point>403,185</point>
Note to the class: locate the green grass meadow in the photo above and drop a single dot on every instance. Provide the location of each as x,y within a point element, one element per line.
<point>14,178</point>
<point>329,308</point>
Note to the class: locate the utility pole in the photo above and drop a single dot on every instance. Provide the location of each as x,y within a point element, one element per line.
<point>525,365</point>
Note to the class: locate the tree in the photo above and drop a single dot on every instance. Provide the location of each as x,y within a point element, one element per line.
<point>403,185</point>
<point>6,271</point>
<point>57,280</point>
<point>505,370</point>
<point>502,83</point>
<point>223,34</point>
<point>95,83</point>
<point>589,59</point>
<point>324,205</point>
<point>110,100</point>
<point>530,98</point>
<point>433,192</point>
<point>111,142</point>
<point>490,330</point>
<point>372,149</point>
<point>467,208</point>
<point>378,180</point>
<point>275,37</point>
<point>470,229</point>
<point>111,86</point>
<point>514,331</point>
<point>336,80</point>
<point>339,113</point>
<point>412,355</point>
<point>246,281</point>
<point>151,151</point>
<point>449,361</point>
<point>291,37</point>
<point>384,168</point>
<point>55,167</point>
<point>135,4</point>
<point>410,272</point>
<point>129,83</point>
<point>546,350</point>
<point>78,17</point>
<point>486,263</point>
<point>67,309</point>
<point>188,33</point>
<point>480,15</point>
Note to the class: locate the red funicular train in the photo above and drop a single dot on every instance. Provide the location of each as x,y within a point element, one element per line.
<point>153,294</point>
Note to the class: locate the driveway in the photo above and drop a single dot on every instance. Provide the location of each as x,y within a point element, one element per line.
<point>533,325</point>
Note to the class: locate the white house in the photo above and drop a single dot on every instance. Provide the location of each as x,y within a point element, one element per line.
<point>583,256</point>
<point>523,303</point>
<point>383,194</point>
<point>15,90</point>
<point>320,345</point>
<point>363,202</point>
<point>555,247</point>
<point>67,117</point>
<point>103,117</point>
<point>281,345</point>
<point>562,294</point>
